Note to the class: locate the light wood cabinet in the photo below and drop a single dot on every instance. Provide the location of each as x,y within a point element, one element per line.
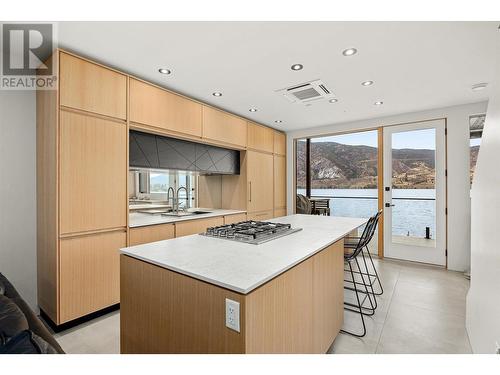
<point>89,273</point>
<point>261,216</point>
<point>279,143</point>
<point>299,311</point>
<point>93,173</point>
<point>279,181</point>
<point>279,212</point>
<point>185,228</point>
<point>260,137</point>
<point>236,218</point>
<point>223,127</point>
<point>152,106</point>
<point>91,87</point>
<point>260,181</point>
<point>151,233</point>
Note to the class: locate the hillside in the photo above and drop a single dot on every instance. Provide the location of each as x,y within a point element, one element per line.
<point>340,166</point>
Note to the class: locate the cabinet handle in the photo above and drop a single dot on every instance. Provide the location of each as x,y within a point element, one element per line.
<point>250,189</point>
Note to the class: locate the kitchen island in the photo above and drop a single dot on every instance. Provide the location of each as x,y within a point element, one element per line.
<point>286,295</point>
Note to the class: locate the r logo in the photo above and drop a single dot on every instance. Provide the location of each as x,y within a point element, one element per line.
<point>25,47</point>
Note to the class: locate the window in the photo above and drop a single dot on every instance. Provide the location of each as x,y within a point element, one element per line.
<point>155,185</point>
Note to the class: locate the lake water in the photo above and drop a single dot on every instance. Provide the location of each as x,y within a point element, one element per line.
<point>409,216</point>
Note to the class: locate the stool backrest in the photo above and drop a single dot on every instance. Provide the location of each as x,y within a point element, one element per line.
<point>364,239</point>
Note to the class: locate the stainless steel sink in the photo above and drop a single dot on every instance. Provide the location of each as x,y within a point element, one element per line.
<point>185,213</point>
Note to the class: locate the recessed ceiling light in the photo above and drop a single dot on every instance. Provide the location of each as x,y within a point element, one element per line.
<point>333,100</point>
<point>217,93</point>
<point>253,109</point>
<point>367,83</point>
<point>164,71</point>
<point>278,121</point>
<point>378,103</point>
<point>297,67</point>
<point>479,86</point>
<point>349,51</point>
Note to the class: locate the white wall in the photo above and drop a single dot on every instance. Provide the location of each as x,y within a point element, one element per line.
<point>18,191</point>
<point>458,168</point>
<point>483,300</point>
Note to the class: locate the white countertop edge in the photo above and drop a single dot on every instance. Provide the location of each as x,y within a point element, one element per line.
<point>172,219</point>
<point>232,287</point>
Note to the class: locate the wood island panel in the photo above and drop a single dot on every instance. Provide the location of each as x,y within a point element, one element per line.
<point>166,312</point>
<point>299,311</point>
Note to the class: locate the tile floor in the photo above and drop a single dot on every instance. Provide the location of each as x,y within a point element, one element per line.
<point>422,311</point>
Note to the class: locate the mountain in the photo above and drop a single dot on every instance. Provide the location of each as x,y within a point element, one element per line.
<point>340,166</point>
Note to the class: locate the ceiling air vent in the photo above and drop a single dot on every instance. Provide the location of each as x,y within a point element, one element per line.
<point>306,92</point>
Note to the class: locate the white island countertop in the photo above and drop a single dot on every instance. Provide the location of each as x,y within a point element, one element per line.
<point>242,267</point>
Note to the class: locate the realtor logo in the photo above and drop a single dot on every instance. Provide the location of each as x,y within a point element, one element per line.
<point>26,48</point>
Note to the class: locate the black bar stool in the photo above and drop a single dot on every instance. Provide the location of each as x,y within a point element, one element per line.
<point>360,287</point>
<point>372,275</point>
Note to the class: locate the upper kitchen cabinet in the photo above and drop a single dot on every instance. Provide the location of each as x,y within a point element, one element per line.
<point>91,87</point>
<point>93,173</point>
<point>260,137</point>
<point>223,127</point>
<point>279,143</point>
<point>158,108</point>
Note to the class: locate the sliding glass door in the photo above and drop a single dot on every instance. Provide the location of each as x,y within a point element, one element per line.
<point>341,173</point>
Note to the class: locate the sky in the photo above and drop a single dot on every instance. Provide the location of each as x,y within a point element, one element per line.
<point>417,139</point>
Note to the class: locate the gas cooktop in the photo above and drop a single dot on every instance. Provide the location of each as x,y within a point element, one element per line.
<point>252,232</point>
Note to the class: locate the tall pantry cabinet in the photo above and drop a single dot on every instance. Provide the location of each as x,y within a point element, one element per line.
<point>82,163</point>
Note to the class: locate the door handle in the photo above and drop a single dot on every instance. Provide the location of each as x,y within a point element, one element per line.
<point>250,190</point>
<point>389,205</point>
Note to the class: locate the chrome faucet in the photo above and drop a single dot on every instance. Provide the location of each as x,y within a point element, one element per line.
<point>173,195</point>
<point>177,197</point>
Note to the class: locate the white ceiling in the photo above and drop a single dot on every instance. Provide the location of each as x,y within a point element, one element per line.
<point>415,65</point>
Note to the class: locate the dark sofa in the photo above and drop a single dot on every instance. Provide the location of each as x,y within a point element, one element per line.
<point>12,323</point>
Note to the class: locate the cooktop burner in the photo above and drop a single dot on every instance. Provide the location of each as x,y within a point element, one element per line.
<point>253,232</point>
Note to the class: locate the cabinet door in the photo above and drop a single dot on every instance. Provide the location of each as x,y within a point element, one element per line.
<point>279,212</point>
<point>151,233</point>
<point>222,127</point>
<point>261,216</point>
<point>93,172</point>
<point>89,273</point>
<point>279,143</point>
<point>279,181</point>
<point>91,87</point>
<point>150,105</point>
<point>185,228</point>
<point>260,137</point>
<point>231,219</point>
<point>260,181</point>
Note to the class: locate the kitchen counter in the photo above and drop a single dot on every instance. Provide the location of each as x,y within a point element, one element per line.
<point>138,219</point>
<point>242,267</point>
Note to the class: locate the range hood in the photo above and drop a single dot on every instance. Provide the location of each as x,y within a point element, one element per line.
<point>158,152</point>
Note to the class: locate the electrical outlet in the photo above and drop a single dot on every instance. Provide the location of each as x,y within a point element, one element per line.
<point>233,315</point>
